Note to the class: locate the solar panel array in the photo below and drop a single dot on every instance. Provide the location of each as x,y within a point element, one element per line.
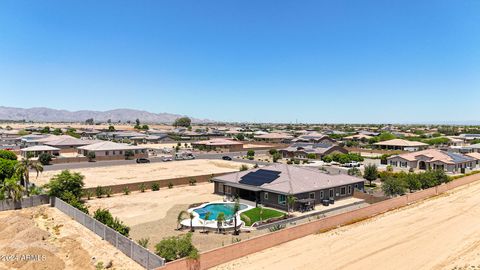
<point>259,177</point>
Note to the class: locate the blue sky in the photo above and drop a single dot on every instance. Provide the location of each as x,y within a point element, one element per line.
<point>258,61</point>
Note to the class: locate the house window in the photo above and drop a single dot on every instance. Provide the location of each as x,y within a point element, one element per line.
<point>113,153</point>
<point>265,196</point>
<point>106,153</point>
<point>120,152</point>
<point>349,189</point>
<point>330,193</point>
<point>343,190</point>
<point>220,188</point>
<point>282,199</point>
<point>356,186</point>
<point>311,195</point>
<point>321,194</point>
<point>228,190</point>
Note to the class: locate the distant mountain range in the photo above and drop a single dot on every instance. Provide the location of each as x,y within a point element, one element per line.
<point>52,115</point>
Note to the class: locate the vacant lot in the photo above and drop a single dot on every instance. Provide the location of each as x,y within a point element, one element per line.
<point>65,244</point>
<point>153,214</point>
<point>439,233</point>
<point>132,173</point>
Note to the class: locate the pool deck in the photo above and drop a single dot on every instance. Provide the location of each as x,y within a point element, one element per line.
<point>229,224</point>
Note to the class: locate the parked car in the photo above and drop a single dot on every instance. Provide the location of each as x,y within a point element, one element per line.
<point>351,164</point>
<point>165,159</point>
<point>143,160</point>
<point>226,158</point>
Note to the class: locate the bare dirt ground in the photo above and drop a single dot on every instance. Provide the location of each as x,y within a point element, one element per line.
<point>153,214</point>
<point>438,233</point>
<point>65,244</point>
<point>133,173</point>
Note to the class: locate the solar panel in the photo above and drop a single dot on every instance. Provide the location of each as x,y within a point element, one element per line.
<point>259,177</point>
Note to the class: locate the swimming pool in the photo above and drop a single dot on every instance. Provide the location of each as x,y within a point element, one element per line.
<point>216,208</point>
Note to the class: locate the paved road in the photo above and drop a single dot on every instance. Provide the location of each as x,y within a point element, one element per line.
<point>79,165</point>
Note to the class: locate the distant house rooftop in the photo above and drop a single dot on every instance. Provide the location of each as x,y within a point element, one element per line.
<point>401,143</point>
<point>109,146</point>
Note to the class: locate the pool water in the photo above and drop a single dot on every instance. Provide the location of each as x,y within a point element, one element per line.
<point>215,208</point>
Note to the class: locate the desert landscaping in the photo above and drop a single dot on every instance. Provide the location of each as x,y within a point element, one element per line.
<point>59,242</point>
<point>133,173</point>
<point>438,233</point>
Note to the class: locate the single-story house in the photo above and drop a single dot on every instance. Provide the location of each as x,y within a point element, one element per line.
<point>65,142</point>
<point>113,149</point>
<point>219,144</point>
<point>314,137</point>
<point>400,144</point>
<point>274,138</point>
<point>271,185</point>
<point>300,150</point>
<point>147,139</point>
<point>468,137</point>
<point>433,159</point>
<point>37,150</point>
<point>358,138</point>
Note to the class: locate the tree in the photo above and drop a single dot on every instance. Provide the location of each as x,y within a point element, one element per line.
<point>272,151</point>
<point>291,202</point>
<point>45,158</point>
<point>176,247</point>
<point>220,220</point>
<point>182,122</point>
<point>412,182</point>
<point>393,186</point>
<point>205,218</point>
<point>250,153</point>
<point>5,154</point>
<point>129,154</point>
<point>65,182</point>
<point>311,156</point>
<point>12,188</point>
<point>137,122</point>
<point>57,131</point>
<point>145,127</point>
<point>89,121</point>
<point>7,168</point>
<point>45,130</point>
<point>370,173</point>
<point>91,156</point>
<point>181,216</point>
<point>276,157</point>
<point>111,128</point>
<point>23,169</point>
<point>240,137</point>
<point>236,208</point>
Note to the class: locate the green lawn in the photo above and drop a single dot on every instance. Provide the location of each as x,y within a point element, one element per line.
<point>254,215</point>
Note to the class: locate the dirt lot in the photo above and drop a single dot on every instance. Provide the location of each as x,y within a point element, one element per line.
<point>439,233</point>
<point>113,175</point>
<point>65,244</point>
<point>153,214</point>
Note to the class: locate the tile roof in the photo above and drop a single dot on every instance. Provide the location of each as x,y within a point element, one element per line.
<point>436,155</point>
<point>109,146</point>
<point>287,179</point>
<point>218,141</point>
<point>401,142</point>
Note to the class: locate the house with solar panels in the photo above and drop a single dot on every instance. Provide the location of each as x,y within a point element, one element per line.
<point>434,159</point>
<point>271,185</point>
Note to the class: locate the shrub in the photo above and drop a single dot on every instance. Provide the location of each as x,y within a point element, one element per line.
<point>311,156</point>
<point>129,154</point>
<point>192,181</point>
<point>108,192</point>
<point>65,181</point>
<point>5,154</point>
<point>272,151</point>
<point>88,194</point>
<point>142,187</point>
<point>155,187</point>
<point>99,192</point>
<point>243,167</point>
<point>250,153</point>
<point>176,247</point>
<point>296,162</point>
<point>393,186</point>
<point>143,242</point>
<point>91,156</point>
<point>276,156</point>
<point>126,190</point>
<point>276,227</point>
<point>289,162</point>
<point>105,217</point>
<point>250,157</point>
<point>45,158</point>
<point>170,185</point>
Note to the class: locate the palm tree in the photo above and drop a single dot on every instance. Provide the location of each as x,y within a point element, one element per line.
<point>220,220</point>
<point>236,208</point>
<point>191,216</point>
<point>181,216</point>
<point>207,216</point>
<point>13,189</point>
<point>23,169</point>
<point>291,203</point>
